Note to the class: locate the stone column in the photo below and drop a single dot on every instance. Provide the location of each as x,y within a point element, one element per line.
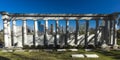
<point>55,41</point>
<point>96,34</point>
<point>24,32</point>
<point>86,33</point>
<point>67,31</point>
<point>45,34</point>
<point>6,43</point>
<point>106,32</point>
<point>77,31</point>
<point>9,33</point>
<point>5,19</point>
<point>115,46</point>
<point>114,32</point>
<point>111,38</point>
<point>14,30</point>
<point>110,32</point>
<point>35,32</point>
<point>36,28</point>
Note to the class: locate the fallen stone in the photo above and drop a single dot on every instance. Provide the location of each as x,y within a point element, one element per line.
<point>115,47</point>
<point>7,51</point>
<point>61,50</point>
<point>88,49</point>
<point>48,50</point>
<point>77,55</point>
<point>73,49</point>
<point>91,56</point>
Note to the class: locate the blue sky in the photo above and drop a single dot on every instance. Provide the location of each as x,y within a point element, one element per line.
<point>59,6</point>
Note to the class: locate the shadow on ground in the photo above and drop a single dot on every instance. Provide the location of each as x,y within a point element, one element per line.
<point>22,57</point>
<point>113,54</point>
<point>4,58</point>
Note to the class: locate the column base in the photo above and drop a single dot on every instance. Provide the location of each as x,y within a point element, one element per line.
<point>115,47</point>
<point>105,47</point>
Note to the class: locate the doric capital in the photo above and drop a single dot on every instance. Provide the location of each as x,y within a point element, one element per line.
<point>5,15</point>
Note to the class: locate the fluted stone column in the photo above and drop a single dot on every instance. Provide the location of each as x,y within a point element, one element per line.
<point>9,33</point>
<point>6,28</point>
<point>35,31</point>
<point>5,18</point>
<point>6,34</point>
<point>24,32</point>
<point>106,32</point>
<point>55,41</point>
<point>45,34</point>
<point>86,33</point>
<point>96,34</point>
<point>77,31</point>
<point>115,33</point>
<point>110,30</point>
<point>14,31</point>
<point>67,31</point>
<point>103,41</point>
<point>115,46</point>
<point>36,28</point>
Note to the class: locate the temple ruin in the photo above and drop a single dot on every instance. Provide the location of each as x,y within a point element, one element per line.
<point>103,34</point>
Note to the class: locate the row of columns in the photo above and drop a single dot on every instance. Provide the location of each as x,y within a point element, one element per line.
<point>7,31</point>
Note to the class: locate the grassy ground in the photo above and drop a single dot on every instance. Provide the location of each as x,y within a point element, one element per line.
<point>118,41</point>
<point>42,55</point>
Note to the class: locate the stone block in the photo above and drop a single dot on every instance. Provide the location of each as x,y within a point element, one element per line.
<point>91,56</point>
<point>88,49</point>
<point>61,50</point>
<point>77,55</point>
<point>19,50</point>
<point>50,50</point>
<point>34,50</point>
<point>73,49</point>
<point>7,50</point>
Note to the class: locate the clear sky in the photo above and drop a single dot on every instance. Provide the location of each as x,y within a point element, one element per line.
<point>59,6</point>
